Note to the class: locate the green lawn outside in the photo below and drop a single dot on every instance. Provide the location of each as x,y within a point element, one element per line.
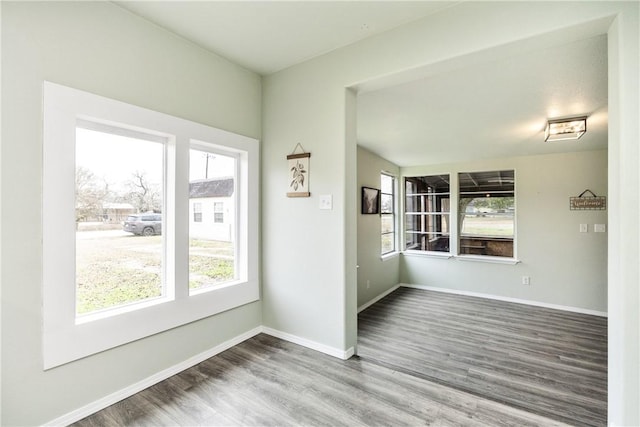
<point>117,269</point>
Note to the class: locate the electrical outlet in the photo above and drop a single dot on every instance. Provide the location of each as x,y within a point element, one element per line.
<point>326,202</point>
<point>526,280</point>
<point>599,228</point>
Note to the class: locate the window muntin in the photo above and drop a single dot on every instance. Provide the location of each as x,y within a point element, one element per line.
<point>427,213</point>
<point>486,213</point>
<point>387,214</point>
<point>212,243</point>
<point>116,175</point>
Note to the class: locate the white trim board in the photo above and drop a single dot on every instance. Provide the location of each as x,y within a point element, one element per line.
<point>508,299</point>
<point>115,397</point>
<point>376,299</point>
<point>313,345</point>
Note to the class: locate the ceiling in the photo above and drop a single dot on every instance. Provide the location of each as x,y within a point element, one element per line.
<point>269,36</point>
<point>493,106</point>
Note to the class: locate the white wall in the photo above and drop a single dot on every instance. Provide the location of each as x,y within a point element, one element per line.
<point>566,267</point>
<point>308,268</point>
<point>382,275</point>
<point>96,47</point>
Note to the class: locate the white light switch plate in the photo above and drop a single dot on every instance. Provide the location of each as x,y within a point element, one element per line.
<point>599,228</point>
<point>326,201</point>
<point>584,228</point>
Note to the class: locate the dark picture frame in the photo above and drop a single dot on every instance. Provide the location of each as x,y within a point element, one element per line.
<point>370,200</point>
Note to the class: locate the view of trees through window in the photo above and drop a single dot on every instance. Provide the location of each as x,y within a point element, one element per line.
<point>487,213</point>
<point>387,215</point>
<point>119,196</point>
<point>119,188</point>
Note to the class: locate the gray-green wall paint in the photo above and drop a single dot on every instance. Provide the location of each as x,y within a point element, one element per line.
<point>99,48</point>
<point>566,267</point>
<point>382,275</point>
<point>306,252</point>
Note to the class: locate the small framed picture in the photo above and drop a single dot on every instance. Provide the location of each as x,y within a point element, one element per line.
<point>370,200</point>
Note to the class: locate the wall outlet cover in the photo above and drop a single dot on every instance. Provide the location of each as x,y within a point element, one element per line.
<point>326,202</point>
<point>599,228</point>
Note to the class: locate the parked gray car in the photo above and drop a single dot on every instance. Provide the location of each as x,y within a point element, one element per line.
<point>146,224</point>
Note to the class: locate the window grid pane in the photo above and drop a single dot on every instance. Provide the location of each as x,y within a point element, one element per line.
<point>427,206</point>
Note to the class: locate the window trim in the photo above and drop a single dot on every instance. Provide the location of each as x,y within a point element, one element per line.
<point>449,214</point>
<point>220,212</point>
<point>513,259</point>
<point>197,209</point>
<point>64,338</point>
<point>454,233</point>
<point>394,216</point>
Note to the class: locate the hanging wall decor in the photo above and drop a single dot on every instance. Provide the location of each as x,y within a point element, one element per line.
<point>588,203</point>
<point>298,165</point>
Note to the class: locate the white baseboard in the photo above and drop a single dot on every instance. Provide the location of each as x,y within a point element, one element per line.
<point>119,395</point>
<point>313,345</point>
<point>376,299</point>
<point>508,299</point>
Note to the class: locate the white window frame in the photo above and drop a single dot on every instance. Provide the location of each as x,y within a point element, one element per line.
<point>480,257</point>
<point>448,214</point>
<point>197,209</point>
<point>394,216</point>
<point>221,212</point>
<point>66,337</point>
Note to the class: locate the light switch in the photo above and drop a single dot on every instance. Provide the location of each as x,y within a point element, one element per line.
<point>326,202</point>
<point>584,228</point>
<point>599,228</point>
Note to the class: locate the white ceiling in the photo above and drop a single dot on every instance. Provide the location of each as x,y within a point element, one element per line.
<point>492,109</point>
<point>495,106</point>
<point>268,36</point>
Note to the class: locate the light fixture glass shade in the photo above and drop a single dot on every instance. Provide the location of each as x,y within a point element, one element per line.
<point>563,129</point>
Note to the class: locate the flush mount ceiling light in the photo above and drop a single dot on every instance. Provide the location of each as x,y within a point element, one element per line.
<point>563,129</point>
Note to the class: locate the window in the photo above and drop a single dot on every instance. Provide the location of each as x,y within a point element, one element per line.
<point>117,188</point>
<point>427,201</point>
<point>387,214</point>
<point>486,213</point>
<point>197,212</point>
<point>212,245</point>
<point>113,168</point>
<point>218,212</point>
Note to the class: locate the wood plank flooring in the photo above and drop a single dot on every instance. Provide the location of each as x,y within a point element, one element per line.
<point>548,362</point>
<point>265,381</point>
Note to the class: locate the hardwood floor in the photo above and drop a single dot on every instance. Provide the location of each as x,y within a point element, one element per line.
<point>269,382</point>
<point>425,359</point>
<point>549,362</point>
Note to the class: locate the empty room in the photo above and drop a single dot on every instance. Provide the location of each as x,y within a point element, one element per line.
<point>320,213</point>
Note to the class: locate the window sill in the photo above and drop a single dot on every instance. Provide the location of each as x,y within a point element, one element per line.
<point>488,259</point>
<point>428,254</point>
<point>389,256</point>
